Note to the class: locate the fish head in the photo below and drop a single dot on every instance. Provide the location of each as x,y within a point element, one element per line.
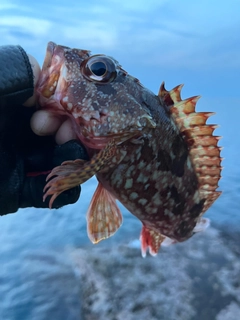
<point>103,101</point>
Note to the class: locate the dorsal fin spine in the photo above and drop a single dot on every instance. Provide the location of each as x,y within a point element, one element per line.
<point>203,149</point>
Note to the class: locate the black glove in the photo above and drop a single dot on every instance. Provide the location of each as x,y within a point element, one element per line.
<point>25,158</point>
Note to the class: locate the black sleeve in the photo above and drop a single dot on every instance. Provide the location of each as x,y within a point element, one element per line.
<point>16,76</point>
<point>21,151</point>
<point>16,86</point>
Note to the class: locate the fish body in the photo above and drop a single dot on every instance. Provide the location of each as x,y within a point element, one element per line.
<point>153,153</point>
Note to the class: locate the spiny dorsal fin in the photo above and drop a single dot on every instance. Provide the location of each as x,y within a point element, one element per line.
<point>203,148</point>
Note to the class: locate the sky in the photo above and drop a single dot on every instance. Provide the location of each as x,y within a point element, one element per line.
<point>154,40</point>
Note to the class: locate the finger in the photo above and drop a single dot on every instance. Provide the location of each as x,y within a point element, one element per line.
<point>45,123</point>
<point>65,132</point>
<point>36,73</point>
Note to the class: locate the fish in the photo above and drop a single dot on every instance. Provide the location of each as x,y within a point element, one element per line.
<point>155,154</point>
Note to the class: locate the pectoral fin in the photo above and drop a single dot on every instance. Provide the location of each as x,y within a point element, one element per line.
<point>72,173</point>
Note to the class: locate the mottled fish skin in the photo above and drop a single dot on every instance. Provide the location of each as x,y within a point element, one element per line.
<point>167,165</point>
<point>156,180</point>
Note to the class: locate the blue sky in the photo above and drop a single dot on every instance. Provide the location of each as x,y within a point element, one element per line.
<point>155,40</point>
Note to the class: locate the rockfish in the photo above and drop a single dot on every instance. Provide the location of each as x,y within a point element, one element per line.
<point>153,153</point>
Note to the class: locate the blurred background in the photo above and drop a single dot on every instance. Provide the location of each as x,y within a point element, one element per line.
<point>195,43</point>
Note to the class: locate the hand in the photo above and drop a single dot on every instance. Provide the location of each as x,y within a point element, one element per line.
<point>25,157</point>
<point>43,122</point>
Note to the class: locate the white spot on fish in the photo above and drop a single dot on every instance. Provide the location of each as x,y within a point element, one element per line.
<point>155,175</point>
<point>69,106</point>
<point>133,196</point>
<point>154,210</point>
<point>146,186</point>
<point>117,180</point>
<point>142,178</point>
<point>167,213</point>
<point>142,201</point>
<point>128,184</point>
<point>156,200</point>
<point>196,196</point>
<point>189,164</point>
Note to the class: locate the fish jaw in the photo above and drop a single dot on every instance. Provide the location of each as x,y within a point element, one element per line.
<point>55,78</point>
<point>49,76</point>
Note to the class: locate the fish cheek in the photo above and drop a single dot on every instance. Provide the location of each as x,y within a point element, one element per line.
<point>107,89</point>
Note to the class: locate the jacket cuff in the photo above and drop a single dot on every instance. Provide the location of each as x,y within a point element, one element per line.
<point>16,76</point>
<point>11,181</point>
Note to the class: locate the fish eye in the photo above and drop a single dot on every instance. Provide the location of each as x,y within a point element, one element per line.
<point>99,68</point>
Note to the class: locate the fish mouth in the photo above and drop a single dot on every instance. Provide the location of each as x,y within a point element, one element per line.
<point>100,142</point>
<point>49,54</point>
<point>91,128</point>
<point>50,74</point>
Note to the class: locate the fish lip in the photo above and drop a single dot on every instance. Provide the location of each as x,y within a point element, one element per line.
<point>49,54</point>
<point>48,81</point>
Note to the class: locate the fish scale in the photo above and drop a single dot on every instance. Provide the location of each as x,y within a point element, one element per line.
<point>153,153</point>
